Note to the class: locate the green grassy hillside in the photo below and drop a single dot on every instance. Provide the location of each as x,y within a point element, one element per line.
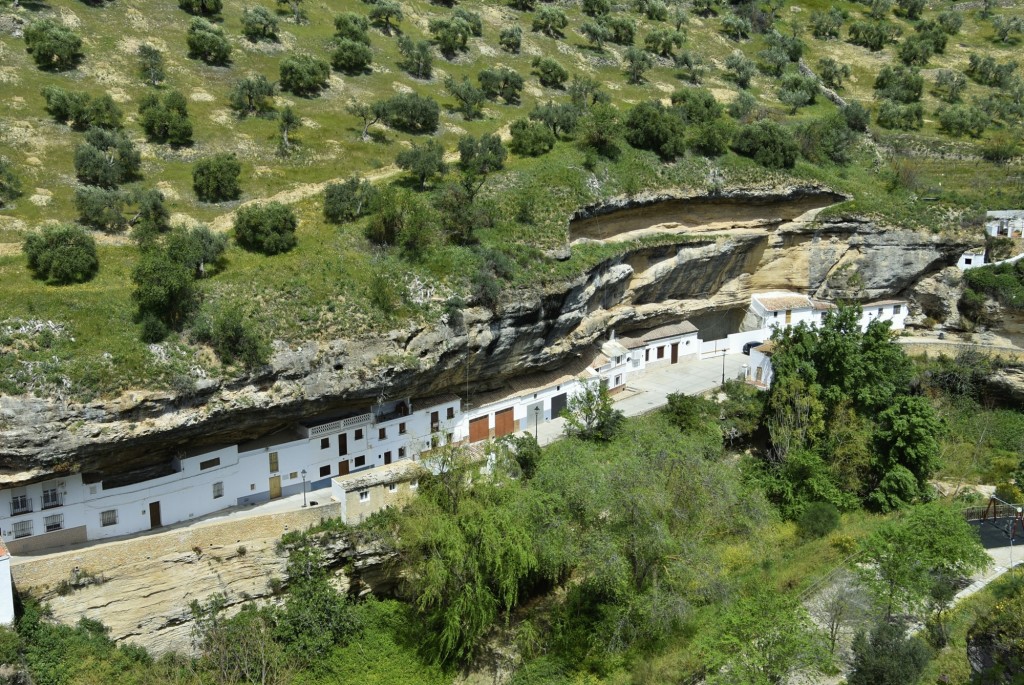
<point>331,284</point>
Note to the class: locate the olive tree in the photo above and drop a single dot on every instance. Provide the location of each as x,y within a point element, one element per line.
<point>304,75</point>
<point>61,254</point>
<point>215,178</point>
<point>52,45</point>
<point>151,65</point>
<point>10,183</point>
<point>258,24</point>
<point>251,95</point>
<point>106,158</point>
<point>268,229</point>
<point>206,42</point>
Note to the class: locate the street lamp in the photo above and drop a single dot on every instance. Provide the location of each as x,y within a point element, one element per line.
<point>303,488</point>
<point>536,421</point>
<point>724,352</point>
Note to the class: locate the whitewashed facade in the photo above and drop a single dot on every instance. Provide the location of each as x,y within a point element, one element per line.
<point>971,259</point>
<point>1005,223</point>
<point>6,587</point>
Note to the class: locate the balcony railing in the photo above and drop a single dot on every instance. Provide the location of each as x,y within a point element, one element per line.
<point>53,501</point>
<point>21,505</point>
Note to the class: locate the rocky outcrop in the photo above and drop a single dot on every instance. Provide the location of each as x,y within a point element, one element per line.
<point>937,296</point>
<point>532,330</point>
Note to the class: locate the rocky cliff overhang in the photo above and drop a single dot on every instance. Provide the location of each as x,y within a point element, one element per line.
<point>532,330</point>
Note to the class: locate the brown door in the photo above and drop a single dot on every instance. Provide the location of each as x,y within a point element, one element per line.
<point>343,468</point>
<point>387,458</point>
<point>760,373</point>
<point>504,423</point>
<point>435,421</point>
<point>647,355</point>
<point>275,487</point>
<point>154,515</point>
<point>478,428</point>
<point>342,444</point>
<point>675,352</point>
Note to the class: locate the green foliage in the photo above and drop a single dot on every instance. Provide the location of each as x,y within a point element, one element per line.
<point>349,200</point>
<point>735,27</point>
<point>251,95</point>
<point>741,69</point>
<point>206,42</point>
<point>352,26</point>
<point>479,157</point>
<point>268,228</point>
<point>351,57</point>
<point>100,208</point>
<point>950,85</point>
<point>207,7</point>
<point>638,62</point>
<point>386,14</point>
<point>597,33</point>
<point>61,254</point>
<point>400,219</point>
<point>551,73</point>
<point>915,50</point>
<point>287,122</point>
<point>165,293</point>
<point>304,74</point>
<point>550,21</point>
<point>600,132</point>
<point>10,183</point>
<point>423,161</point>
<point>53,46</point>
<point>959,120</point>
<point>910,9</point>
<point>826,139</point>
<point>832,72</point>
<point>417,58</point>
<point>741,106</point>
<point>1004,282</point>
<point>826,25</point>
<point>215,178</point>
<point>950,22</point>
<point>873,35</point>
<point>501,82</point>
<point>651,126</point>
<point>698,415</point>
<point>530,138</point>
<point>984,69</point>
<point>899,116</point>
<point>106,159</point>
<point>797,90</point>
<point>899,83</point>
<point>198,248</point>
<point>857,116</point>
<point>234,337</point>
<point>510,39</point>
<point>470,98</point>
<point>590,414</point>
<point>818,520</point>
<point>411,113</point>
<point>80,111</point>
<point>596,8</point>
<point>768,143</point>
<point>889,657</point>
<point>1000,633</point>
<point>622,30</point>
<point>241,648</point>
<point>561,118</point>
<point>1007,29</point>
<point>258,24</point>
<point>451,35</point>
<point>664,41</point>
<point>164,118</point>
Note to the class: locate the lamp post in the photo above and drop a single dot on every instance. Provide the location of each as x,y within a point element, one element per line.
<point>303,488</point>
<point>724,352</point>
<point>536,421</point>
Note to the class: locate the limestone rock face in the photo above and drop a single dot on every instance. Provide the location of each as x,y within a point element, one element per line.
<point>533,329</point>
<point>937,296</point>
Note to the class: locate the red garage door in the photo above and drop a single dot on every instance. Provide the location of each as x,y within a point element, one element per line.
<point>478,429</point>
<point>504,422</point>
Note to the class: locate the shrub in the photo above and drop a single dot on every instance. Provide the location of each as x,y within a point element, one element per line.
<point>741,106</point>
<point>451,35</point>
<point>207,7</point>
<point>741,68</point>
<point>916,50</point>
<point>470,98</point>
<point>10,183</point>
<point>52,46</point>
<point>251,95</point>
<point>151,64</point>
<point>165,293</point>
<point>1001,147</point>
<point>152,217</point>
<point>560,118</point>
<point>268,228</point>
<point>986,71</point>
<point>597,8</point>
<point>100,208</point>
<point>164,118</point>
<point>197,248</point>
<point>711,139</point>
<point>911,9</point>
<point>768,143</point>
<point>206,42</point>
<point>352,26</point>
<point>950,85</point>
<point>550,21</point>
<point>797,90</point>
<point>61,254</point>
<point>106,158</point>
<point>873,35</point>
<point>530,139</point>
<point>80,111</point>
<point>412,113</point>
<point>664,41</point>
<point>959,120</point>
<point>423,161</point>
<point>258,24</point>
<point>417,57</point>
<point>386,14</point>
<point>832,72</point>
<point>510,39</point>
<point>895,115</point>
<point>349,200</point>
<point>735,27</point>
<point>637,63</point>
<point>826,25</point>
<point>234,337</point>
<point>550,73</point>
<point>304,75</point>
<point>622,30</point>
<point>818,520</point>
<point>857,116</point>
<point>501,82</point>
<point>950,22</point>
<point>351,57</point>
<point>649,126</point>
<point>899,83</point>
<point>826,139</point>
<point>215,179</point>
<point>889,657</point>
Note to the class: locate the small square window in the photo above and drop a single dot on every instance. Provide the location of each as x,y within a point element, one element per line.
<point>451,413</point>
<point>325,471</point>
<point>359,461</point>
<point>382,434</point>
<point>364,495</point>
<point>401,453</point>
<point>293,475</point>
<point>218,490</point>
<point>325,443</point>
<point>359,434</point>
<point>55,522</point>
<point>209,463</point>
<point>392,487</point>
<point>897,308</point>
<point>108,518</point>
<point>880,311</point>
<point>401,429</point>
<point>252,487</point>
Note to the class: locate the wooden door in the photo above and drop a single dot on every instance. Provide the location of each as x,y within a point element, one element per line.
<point>387,458</point>
<point>675,353</point>
<point>647,355</point>
<point>275,487</point>
<point>343,468</point>
<point>558,403</point>
<point>504,422</point>
<point>478,428</point>
<point>342,444</point>
<point>435,421</point>
<point>760,373</point>
<point>154,515</point>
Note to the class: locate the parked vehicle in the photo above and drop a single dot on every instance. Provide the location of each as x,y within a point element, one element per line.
<point>747,347</point>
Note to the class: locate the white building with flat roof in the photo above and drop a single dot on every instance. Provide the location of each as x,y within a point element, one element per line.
<point>1005,223</point>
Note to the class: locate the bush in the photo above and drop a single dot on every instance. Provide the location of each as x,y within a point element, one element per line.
<point>349,200</point>
<point>510,39</point>
<point>234,337</point>
<point>550,21</point>
<point>818,520</point>
<point>164,118</point>
<point>197,248</point>
<point>768,143</point>
<point>351,57</point>
<point>1001,147</point>
<point>423,161</point>
<point>470,98</point>
<point>80,111</point>
<point>52,46</point>
<point>269,228</point>
<point>215,179</point>
<point>899,83</point>
<point>304,75</point>
<point>826,25</point>
<point>741,106</point>
<point>206,42</point>
<point>959,120</point>
<point>873,35</point>
<point>100,208</point>
<point>894,115</point>
<point>151,64</point>
<point>417,57</point>
<point>207,7</point>
<point>649,126</point>
<point>797,90</point>
<point>949,85</point>
<point>165,293</point>
<point>451,35</point>
<point>106,158</point>
<point>560,118</point>
<point>826,139</point>
<point>152,217</point>
<point>637,63</point>
<point>501,82</point>
<point>889,657</point>
<point>10,183</point>
<point>258,24</point>
<point>986,71</point>
<point>61,254</point>
<point>857,116</point>
<point>741,68</point>
<point>916,50</point>
<point>550,73</point>
<point>251,95</point>
<point>530,139</point>
<point>352,26</point>
<point>412,113</point>
<point>832,72</point>
<point>386,14</point>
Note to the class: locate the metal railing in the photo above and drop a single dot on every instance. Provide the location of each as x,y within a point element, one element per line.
<point>54,500</point>
<point>21,505</point>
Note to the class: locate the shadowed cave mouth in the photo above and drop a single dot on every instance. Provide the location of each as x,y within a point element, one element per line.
<point>634,218</point>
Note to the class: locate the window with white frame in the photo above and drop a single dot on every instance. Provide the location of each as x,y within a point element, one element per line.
<point>108,518</point>
<point>218,489</point>
<point>51,498</point>
<point>364,495</point>
<point>896,308</point>
<point>54,522</point>
<point>21,529</point>
<point>392,487</point>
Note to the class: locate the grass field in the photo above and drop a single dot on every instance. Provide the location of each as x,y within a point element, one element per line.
<point>321,289</point>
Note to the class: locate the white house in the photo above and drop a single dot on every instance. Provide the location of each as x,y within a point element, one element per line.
<point>1007,223</point>
<point>780,310</point>
<point>662,345</point>
<point>893,311</point>
<point>6,587</point>
<point>971,259</point>
<point>760,370</point>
